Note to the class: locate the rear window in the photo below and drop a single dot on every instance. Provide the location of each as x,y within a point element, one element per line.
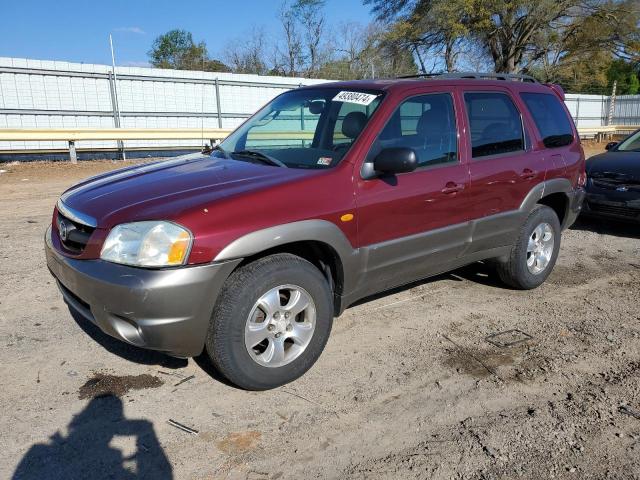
<point>495,124</point>
<point>550,118</point>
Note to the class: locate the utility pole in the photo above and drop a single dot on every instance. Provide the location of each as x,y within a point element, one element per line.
<point>612,103</point>
<point>115,92</point>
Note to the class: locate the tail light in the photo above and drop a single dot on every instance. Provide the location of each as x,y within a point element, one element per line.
<point>582,179</point>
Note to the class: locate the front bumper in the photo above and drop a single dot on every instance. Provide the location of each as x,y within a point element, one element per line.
<point>576,199</point>
<point>609,203</point>
<point>164,309</point>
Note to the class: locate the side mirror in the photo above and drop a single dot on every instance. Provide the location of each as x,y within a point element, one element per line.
<point>610,145</point>
<point>316,107</point>
<point>395,160</point>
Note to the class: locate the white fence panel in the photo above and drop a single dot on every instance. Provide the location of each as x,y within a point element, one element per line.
<point>49,94</point>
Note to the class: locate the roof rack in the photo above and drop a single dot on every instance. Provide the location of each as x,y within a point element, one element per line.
<point>477,75</point>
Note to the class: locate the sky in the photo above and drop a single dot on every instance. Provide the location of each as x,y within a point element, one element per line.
<point>78,31</point>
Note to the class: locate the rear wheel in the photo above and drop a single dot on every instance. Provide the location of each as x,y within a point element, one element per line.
<point>271,322</point>
<point>534,254</point>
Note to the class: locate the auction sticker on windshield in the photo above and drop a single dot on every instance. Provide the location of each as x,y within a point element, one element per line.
<point>355,97</point>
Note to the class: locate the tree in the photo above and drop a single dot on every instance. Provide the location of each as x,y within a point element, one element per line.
<point>292,57</point>
<point>634,84</point>
<point>248,55</point>
<point>177,50</point>
<point>517,34</point>
<point>311,18</point>
<point>626,76</point>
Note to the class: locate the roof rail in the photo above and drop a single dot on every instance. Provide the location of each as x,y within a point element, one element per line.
<point>477,75</point>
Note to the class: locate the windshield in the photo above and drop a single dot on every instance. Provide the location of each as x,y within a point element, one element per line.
<point>630,144</point>
<point>305,128</point>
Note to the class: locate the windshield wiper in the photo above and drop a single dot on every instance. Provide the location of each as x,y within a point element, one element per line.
<point>261,156</point>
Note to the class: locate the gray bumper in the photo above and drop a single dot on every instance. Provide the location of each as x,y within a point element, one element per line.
<point>165,309</point>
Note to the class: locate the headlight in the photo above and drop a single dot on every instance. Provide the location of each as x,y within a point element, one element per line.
<point>147,244</point>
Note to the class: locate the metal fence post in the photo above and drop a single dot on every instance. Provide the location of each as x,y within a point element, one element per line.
<point>116,111</point>
<point>218,103</point>
<point>301,115</point>
<point>73,156</point>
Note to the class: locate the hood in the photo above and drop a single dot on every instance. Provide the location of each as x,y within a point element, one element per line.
<point>615,165</point>
<point>166,189</point>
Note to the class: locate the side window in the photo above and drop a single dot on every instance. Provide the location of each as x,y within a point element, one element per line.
<point>495,124</point>
<point>427,124</point>
<point>550,118</point>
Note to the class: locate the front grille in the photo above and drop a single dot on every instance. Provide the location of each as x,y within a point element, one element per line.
<point>615,210</point>
<point>74,236</point>
<point>613,184</point>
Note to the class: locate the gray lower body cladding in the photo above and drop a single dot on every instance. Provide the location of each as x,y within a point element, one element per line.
<point>165,309</point>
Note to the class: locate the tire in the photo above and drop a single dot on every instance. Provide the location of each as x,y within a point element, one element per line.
<point>237,312</point>
<point>516,271</point>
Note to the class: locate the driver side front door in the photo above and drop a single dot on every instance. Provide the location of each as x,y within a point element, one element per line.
<point>416,224</point>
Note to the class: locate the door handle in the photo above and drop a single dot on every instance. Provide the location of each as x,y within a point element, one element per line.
<point>528,174</point>
<point>451,188</point>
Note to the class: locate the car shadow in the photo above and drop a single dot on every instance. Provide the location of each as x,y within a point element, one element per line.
<point>125,350</point>
<point>143,356</point>
<point>85,452</point>
<point>483,273</point>
<point>204,362</point>
<point>605,226</point>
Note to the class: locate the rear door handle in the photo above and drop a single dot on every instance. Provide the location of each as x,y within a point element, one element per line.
<point>528,174</point>
<point>451,188</point>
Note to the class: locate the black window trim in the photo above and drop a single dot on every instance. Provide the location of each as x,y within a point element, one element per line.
<point>425,167</point>
<point>525,138</point>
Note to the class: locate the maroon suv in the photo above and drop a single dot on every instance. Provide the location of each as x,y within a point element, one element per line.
<point>328,194</point>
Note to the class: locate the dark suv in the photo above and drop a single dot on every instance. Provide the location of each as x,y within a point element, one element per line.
<point>328,194</point>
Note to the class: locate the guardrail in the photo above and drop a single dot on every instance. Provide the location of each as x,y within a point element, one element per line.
<point>72,135</point>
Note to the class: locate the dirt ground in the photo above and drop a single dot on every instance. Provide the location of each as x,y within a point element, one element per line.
<point>408,387</point>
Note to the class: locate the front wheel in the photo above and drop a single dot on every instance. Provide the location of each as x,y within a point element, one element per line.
<point>271,322</point>
<point>535,252</point>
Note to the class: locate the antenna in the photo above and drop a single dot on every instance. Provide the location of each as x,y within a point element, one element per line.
<point>202,106</point>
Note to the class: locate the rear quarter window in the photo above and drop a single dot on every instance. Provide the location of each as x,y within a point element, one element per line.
<point>550,117</point>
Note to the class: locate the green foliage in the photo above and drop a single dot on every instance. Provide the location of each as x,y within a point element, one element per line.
<point>177,50</point>
<point>634,84</point>
<point>626,77</point>
<point>555,39</point>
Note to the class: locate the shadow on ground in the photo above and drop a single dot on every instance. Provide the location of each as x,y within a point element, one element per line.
<point>86,451</point>
<point>143,356</point>
<point>605,226</point>
<point>124,350</point>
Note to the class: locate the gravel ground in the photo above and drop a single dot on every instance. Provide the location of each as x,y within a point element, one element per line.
<point>408,387</point>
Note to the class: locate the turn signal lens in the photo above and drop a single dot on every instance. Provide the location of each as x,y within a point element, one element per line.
<point>179,249</point>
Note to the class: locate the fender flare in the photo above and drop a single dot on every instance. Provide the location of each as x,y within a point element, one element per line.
<point>543,189</point>
<point>306,230</point>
